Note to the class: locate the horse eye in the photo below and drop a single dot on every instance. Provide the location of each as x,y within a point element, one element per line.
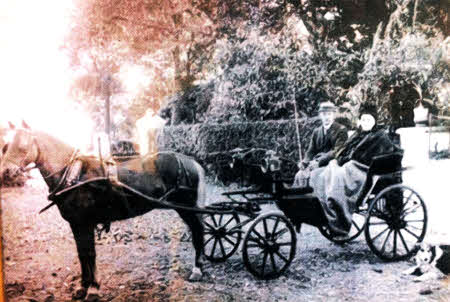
<point>5,148</point>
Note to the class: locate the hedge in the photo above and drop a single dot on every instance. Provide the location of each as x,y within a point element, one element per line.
<point>211,144</point>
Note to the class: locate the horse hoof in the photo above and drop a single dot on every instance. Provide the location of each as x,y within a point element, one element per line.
<point>196,275</point>
<point>80,293</point>
<point>93,295</point>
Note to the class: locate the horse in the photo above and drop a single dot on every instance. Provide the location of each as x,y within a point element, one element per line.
<point>170,175</point>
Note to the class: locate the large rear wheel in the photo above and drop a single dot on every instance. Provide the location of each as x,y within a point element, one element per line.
<point>396,222</point>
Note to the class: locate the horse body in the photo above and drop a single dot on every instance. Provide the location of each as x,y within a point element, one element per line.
<point>101,202</point>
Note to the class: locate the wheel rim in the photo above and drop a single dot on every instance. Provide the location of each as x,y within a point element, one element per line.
<point>358,221</point>
<point>396,222</point>
<point>269,246</point>
<point>222,236</point>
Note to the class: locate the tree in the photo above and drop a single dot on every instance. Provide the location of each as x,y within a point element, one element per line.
<point>171,40</point>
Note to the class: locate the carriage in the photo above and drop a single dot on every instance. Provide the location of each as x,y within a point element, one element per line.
<point>392,216</point>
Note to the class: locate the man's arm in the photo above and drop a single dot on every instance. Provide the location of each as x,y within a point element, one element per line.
<point>341,138</point>
<point>311,152</point>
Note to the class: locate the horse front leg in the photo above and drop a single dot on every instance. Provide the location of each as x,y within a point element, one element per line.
<point>85,242</point>
<point>197,229</point>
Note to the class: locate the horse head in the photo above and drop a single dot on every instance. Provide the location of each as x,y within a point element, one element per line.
<point>19,150</point>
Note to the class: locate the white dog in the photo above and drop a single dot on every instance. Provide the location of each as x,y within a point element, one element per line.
<point>432,262</point>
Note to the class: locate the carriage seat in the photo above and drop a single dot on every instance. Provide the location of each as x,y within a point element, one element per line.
<point>386,164</point>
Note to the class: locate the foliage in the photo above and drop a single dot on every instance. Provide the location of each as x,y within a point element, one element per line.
<point>211,143</point>
<point>402,67</point>
<point>260,77</point>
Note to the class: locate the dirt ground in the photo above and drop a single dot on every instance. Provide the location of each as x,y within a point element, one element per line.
<point>149,259</point>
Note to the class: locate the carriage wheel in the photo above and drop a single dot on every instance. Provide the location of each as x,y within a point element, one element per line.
<point>269,246</point>
<point>396,222</point>
<point>222,236</point>
<point>359,218</point>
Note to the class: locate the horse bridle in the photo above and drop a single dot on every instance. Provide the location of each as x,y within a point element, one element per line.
<point>21,163</point>
<point>23,169</point>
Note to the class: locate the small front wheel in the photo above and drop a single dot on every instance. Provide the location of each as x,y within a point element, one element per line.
<point>222,236</point>
<point>396,222</point>
<point>269,246</point>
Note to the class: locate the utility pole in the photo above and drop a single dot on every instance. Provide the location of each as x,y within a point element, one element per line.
<point>107,94</point>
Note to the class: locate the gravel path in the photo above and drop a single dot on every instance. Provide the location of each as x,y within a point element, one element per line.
<point>149,259</point>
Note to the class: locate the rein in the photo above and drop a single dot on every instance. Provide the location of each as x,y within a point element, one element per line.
<point>62,178</point>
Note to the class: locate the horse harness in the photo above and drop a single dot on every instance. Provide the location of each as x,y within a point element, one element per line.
<point>72,172</point>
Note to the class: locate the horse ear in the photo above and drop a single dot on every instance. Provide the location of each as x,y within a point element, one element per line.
<point>11,126</point>
<point>25,125</point>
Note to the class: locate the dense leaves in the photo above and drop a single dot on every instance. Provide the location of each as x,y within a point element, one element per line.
<point>215,61</point>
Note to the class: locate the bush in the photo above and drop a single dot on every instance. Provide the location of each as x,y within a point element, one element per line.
<point>262,76</point>
<point>212,144</point>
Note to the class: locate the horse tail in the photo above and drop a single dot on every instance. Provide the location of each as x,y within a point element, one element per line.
<point>201,186</point>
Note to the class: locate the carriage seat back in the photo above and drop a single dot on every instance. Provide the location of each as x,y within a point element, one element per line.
<point>386,163</point>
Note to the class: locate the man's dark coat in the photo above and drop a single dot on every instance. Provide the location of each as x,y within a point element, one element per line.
<point>323,146</point>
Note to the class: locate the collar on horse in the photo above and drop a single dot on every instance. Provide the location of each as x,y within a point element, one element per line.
<point>65,170</point>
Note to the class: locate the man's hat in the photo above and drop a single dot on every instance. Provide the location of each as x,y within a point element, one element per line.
<point>327,106</point>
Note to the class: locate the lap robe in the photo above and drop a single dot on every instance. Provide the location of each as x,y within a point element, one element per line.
<point>338,188</point>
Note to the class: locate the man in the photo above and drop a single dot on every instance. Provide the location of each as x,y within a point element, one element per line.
<point>325,140</point>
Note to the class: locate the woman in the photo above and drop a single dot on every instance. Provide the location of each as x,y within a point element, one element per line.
<point>339,185</point>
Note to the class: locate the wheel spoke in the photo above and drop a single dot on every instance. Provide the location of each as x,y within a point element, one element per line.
<point>414,227</point>
<point>379,234</point>
<point>385,241</point>
<point>250,245</point>
<point>229,241</point>
<point>403,241</point>
<point>415,220</point>
<point>284,243</point>
<point>409,198</point>
<point>230,220</point>
<point>222,248</point>
<point>415,235</point>
<point>214,220</point>
<point>378,223</point>
<point>264,262</point>
<point>410,210</point>
<point>208,240</point>
<point>281,256</point>
<point>395,243</point>
<point>280,232</point>
<point>266,231</point>
<point>356,226</point>
<point>275,226</point>
<point>254,239</point>
<point>214,247</point>
<point>259,235</point>
<point>272,259</point>
<point>220,219</point>
<point>207,224</point>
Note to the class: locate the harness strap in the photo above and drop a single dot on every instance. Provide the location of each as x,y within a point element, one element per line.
<point>52,194</point>
<point>182,173</point>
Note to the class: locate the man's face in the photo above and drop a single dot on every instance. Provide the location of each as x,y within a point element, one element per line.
<point>327,118</point>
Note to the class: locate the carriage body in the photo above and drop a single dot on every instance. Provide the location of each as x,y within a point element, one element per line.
<point>392,216</point>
